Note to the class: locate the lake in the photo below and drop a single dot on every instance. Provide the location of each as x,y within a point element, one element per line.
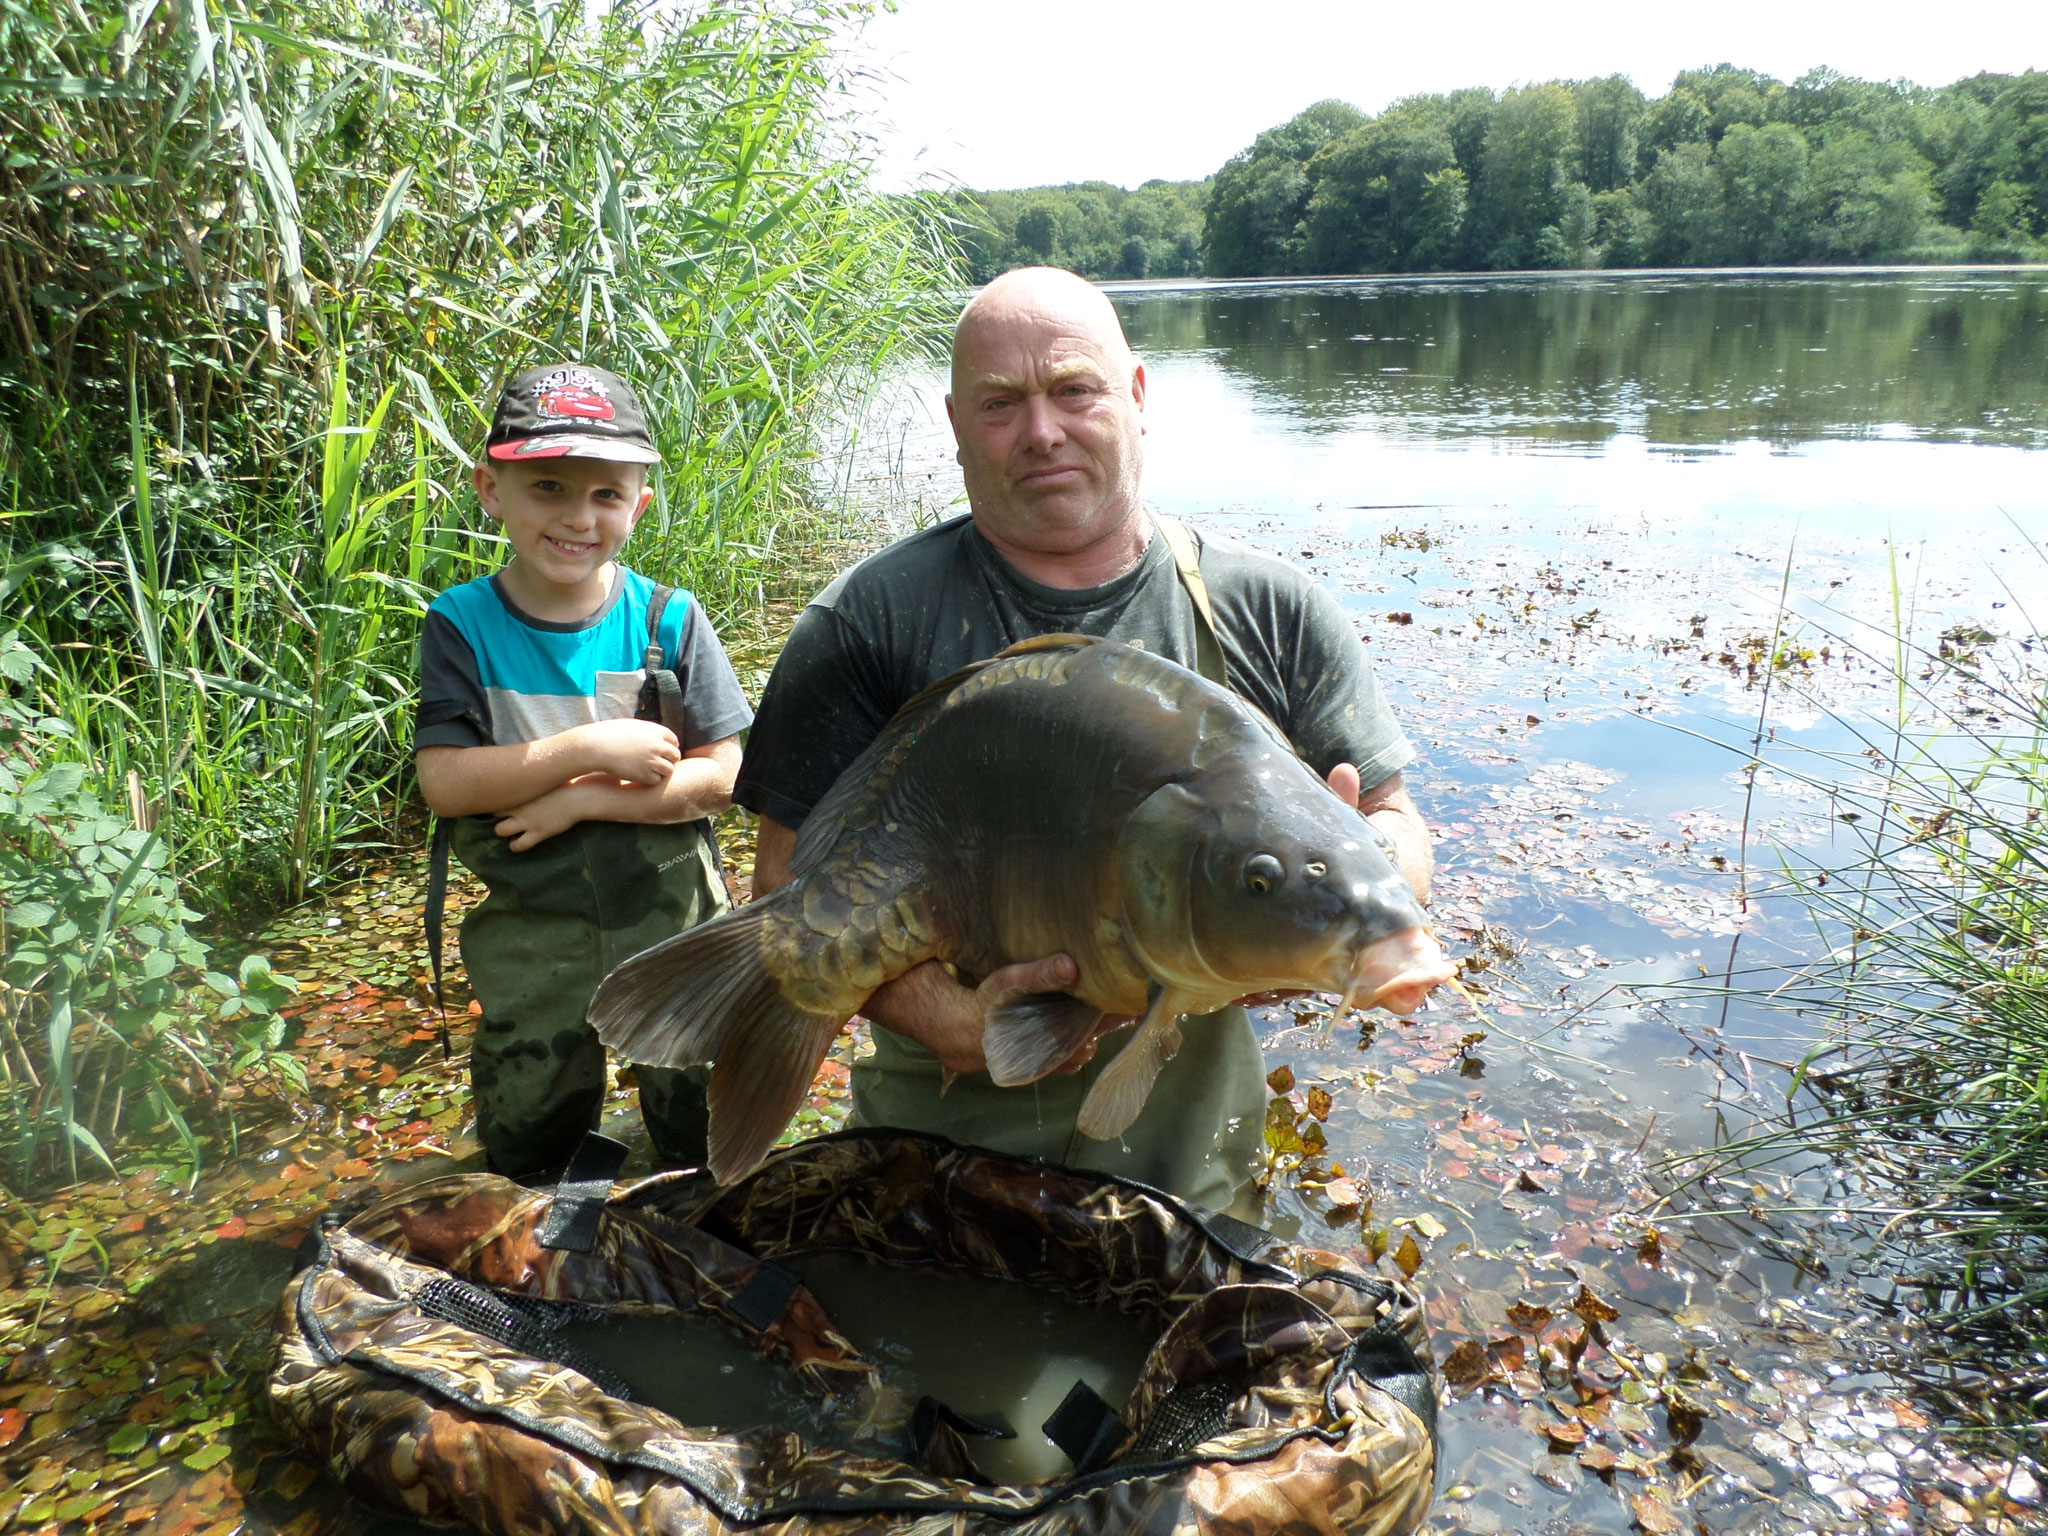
<point>1566,513</point>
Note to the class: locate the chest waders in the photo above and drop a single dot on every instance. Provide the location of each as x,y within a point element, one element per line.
<point>555,920</point>
<point>1202,1130</point>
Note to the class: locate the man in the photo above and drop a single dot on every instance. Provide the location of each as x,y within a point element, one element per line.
<point>1047,406</point>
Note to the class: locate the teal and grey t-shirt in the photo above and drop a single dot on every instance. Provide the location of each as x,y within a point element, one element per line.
<point>491,674</point>
<point>935,602</point>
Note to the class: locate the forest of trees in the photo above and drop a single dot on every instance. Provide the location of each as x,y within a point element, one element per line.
<point>1090,227</point>
<point>1728,167</point>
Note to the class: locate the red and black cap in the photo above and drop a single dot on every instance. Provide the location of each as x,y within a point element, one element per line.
<point>570,411</point>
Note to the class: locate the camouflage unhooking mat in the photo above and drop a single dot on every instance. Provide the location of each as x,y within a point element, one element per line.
<point>1289,1390</point>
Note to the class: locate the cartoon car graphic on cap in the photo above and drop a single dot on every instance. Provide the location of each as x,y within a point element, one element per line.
<point>571,400</point>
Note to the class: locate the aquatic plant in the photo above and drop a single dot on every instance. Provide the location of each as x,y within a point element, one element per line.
<point>261,276</point>
<point>1927,1091</point>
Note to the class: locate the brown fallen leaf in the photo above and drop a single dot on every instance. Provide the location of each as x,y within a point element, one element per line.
<point>1281,1080</point>
<point>1651,1249</point>
<point>1591,1307</point>
<point>1467,1364</point>
<point>12,1422</point>
<point>1565,1435</point>
<point>1319,1103</point>
<point>1408,1257</point>
<point>1507,1354</point>
<point>1529,1184</point>
<point>1653,1515</point>
<point>1597,1459</point>
<point>1525,1318</point>
<point>1683,1417</point>
<point>1343,1194</point>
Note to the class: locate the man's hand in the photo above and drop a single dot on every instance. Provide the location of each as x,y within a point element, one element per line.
<point>927,1005</point>
<point>1388,806</point>
<point>637,751</point>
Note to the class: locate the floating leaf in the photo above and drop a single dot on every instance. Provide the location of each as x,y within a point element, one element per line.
<point>1591,1307</point>
<point>1343,1194</point>
<point>1653,1515</point>
<point>1281,1079</point>
<point>1408,1257</point>
<point>1597,1459</point>
<point>1467,1365</point>
<point>1524,1318</point>
<point>294,1479</point>
<point>1683,1417</point>
<point>12,1422</point>
<point>234,1226</point>
<point>207,1457</point>
<point>1565,1435</point>
<point>1319,1103</point>
<point>1651,1249</point>
<point>128,1439</point>
<point>1428,1225</point>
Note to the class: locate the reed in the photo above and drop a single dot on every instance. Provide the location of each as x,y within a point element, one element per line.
<point>261,272</point>
<point>1926,1086</point>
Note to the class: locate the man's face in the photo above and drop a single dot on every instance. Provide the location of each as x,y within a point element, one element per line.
<point>1048,409</point>
<point>565,518</point>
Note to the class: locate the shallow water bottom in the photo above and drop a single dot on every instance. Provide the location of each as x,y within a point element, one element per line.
<point>992,1350</point>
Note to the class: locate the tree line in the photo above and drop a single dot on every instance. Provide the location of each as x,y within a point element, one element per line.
<point>1728,167</point>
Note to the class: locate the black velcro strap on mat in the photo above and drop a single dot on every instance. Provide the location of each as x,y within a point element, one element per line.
<point>1240,1238</point>
<point>760,1301</point>
<point>930,1414</point>
<point>571,1222</point>
<point>1086,1428</point>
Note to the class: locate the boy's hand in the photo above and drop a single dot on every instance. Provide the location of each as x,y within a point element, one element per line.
<point>638,751</point>
<point>543,817</point>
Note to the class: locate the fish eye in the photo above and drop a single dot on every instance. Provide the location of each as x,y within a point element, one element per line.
<point>1315,869</point>
<point>1263,873</point>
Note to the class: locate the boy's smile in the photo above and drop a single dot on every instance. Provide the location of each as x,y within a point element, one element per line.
<point>565,519</point>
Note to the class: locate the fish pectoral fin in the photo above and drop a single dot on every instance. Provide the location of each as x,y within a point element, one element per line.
<point>1027,1034</point>
<point>1120,1092</point>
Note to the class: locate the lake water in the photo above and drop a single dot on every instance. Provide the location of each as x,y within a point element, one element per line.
<point>1565,514</point>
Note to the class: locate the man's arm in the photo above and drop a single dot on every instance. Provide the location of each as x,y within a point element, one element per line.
<point>1388,806</point>
<point>925,1003</point>
<point>473,781</point>
<point>699,785</point>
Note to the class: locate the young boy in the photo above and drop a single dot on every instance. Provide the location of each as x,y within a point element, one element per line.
<point>587,826</point>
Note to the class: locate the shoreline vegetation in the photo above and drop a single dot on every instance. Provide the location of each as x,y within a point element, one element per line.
<point>1729,167</point>
<point>260,281</point>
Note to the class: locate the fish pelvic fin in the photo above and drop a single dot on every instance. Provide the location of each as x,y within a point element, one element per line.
<point>1120,1092</point>
<point>1027,1034</point>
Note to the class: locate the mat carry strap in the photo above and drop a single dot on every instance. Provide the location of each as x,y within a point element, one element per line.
<point>571,1222</point>
<point>1187,561</point>
<point>1086,1428</point>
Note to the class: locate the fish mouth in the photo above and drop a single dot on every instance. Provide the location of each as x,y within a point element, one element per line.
<point>1397,972</point>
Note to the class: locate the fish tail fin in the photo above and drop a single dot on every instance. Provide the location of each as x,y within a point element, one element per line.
<point>1120,1093</point>
<point>708,995</point>
<point>1027,1034</point>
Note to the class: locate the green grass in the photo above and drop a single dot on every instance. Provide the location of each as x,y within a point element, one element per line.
<point>1927,1080</point>
<point>261,272</point>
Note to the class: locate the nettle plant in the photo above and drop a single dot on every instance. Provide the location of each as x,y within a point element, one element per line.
<point>117,1031</point>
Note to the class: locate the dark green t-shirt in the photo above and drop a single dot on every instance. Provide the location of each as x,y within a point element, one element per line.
<point>931,604</point>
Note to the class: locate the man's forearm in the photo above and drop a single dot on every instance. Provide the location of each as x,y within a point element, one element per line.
<point>1389,808</point>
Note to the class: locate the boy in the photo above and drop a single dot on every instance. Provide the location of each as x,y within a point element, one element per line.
<point>587,826</point>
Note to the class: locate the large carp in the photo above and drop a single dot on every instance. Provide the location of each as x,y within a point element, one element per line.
<point>1072,795</point>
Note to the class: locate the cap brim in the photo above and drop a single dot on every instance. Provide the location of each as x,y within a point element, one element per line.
<point>567,446</point>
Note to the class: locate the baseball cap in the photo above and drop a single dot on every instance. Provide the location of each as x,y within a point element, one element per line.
<point>570,411</point>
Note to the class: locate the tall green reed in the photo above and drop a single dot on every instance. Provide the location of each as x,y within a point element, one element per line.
<point>261,271</point>
<point>1926,1082</point>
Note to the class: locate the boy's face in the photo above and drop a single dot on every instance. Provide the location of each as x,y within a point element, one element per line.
<point>565,518</point>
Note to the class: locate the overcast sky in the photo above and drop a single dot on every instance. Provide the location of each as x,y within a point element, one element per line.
<point>1041,91</point>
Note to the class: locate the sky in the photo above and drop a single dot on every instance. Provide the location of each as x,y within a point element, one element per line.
<point>1036,92</point>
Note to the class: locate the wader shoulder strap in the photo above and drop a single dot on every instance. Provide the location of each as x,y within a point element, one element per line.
<point>661,694</point>
<point>1187,561</point>
<point>437,909</point>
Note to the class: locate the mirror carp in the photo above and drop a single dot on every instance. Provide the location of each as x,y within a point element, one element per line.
<point>1070,794</point>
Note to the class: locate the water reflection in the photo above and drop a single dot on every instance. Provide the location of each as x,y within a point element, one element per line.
<point>1687,362</point>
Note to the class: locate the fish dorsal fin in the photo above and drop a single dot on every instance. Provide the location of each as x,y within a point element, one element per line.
<point>868,776</point>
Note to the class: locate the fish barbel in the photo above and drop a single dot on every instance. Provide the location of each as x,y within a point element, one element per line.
<point>1068,795</point>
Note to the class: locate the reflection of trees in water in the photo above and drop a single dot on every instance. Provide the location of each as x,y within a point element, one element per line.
<point>1689,360</point>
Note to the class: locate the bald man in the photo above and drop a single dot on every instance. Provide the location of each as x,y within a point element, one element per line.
<point>1048,411</point>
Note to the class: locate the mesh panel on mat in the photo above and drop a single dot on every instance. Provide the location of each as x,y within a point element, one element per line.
<point>524,1323</point>
<point>1182,1420</point>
